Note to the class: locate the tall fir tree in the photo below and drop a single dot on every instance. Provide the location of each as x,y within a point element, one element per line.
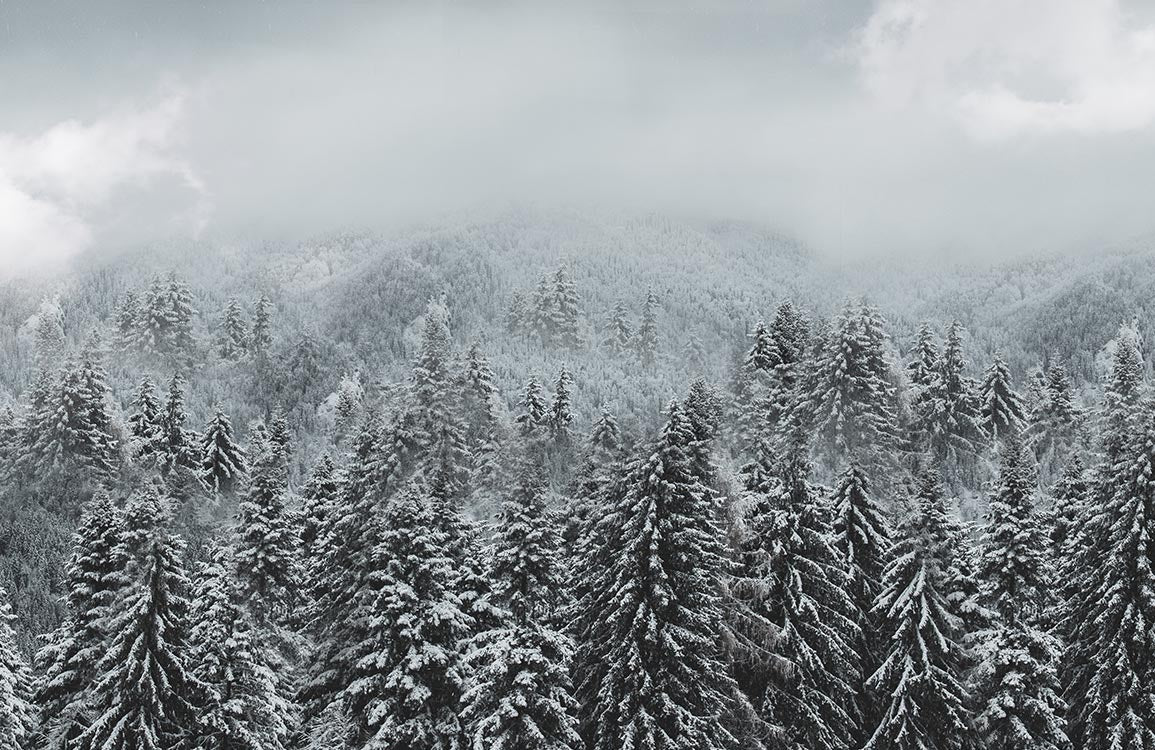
<point>233,337</point>
<point>266,561</point>
<point>1003,411</point>
<point>619,330</point>
<point>69,661</point>
<point>520,696</point>
<point>647,340</point>
<point>143,695</point>
<point>223,461</point>
<point>262,337</point>
<point>952,412</point>
<point>561,409</point>
<point>146,422</point>
<point>652,673</point>
<point>565,309</point>
<point>17,711</point>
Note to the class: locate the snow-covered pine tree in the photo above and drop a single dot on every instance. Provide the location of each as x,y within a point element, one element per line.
<point>520,695</point>
<point>1017,675</point>
<point>68,663</point>
<point>145,420</point>
<point>69,431</point>
<point>348,407</point>
<point>230,657</point>
<point>322,489</point>
<point>849,400</point>
<point>924,362</point>
<point>919,685</point>
<point>790,336</point>
<point>178,450</point>
<point>541,310</point>
<point>143,695</point>
<point>49,333</point>
<point>266,563</point>
<point>434,396</point>
<point>647,340</point>
<point>479,399</point>
<point>602,455</point>
<point>1109,669</point>
<point>262,337</point>
<point>1003,411</point>
<point>17,712</point>
<point>863,540</point>
<point>619,330</point>
<point>405,689</point>
<point>179,313</point>
<point>223,460</point>
<point>1066,523</point>
<point>533,415</point>
<point>952,412</point>
<point>560,409</point>
<point>127,333</point>
<point>791,578</point>
<point>651,669</point>
<point>233,337</point>
<point>565,309</point>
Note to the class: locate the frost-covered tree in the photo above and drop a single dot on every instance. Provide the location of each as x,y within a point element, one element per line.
<point>233,337</point>
<point>919,686</point>
<point>349,404</point>
<point>924,362</point>
<point>520,696</point>
<point>266,562</point>
<point>243,708</point>
<point>223,461</point>
<point>849,399</point>
<point>565,309</point>
<point>863,540</point>
<point>951,412</point>
<point>1109,668</point>
<point>146,422</point>
<point>17,712</point>
<point>561,409</point>
<point>143,695</point>
<point>262,336</point>
<point>1017,676</point>
<point>178,450</point>
<point>1003,412</point>
<point>49,333</point>
<point>651,670</point>
<point>792,580</point>
<point>619,331</point>
<point>68,662</point>
<point>533,415</point>
<point>320,492</point>
<point>647,339</point>
<point>405,689</point>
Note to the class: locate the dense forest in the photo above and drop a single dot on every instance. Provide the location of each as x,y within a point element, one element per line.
<point>556,482</point>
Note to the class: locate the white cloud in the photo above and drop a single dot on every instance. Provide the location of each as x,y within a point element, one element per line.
<point>1004,68</point>
<point>59,188</point>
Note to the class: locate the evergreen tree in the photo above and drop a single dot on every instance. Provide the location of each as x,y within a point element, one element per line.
<point>223,461</point>
<point>1017,678</point>
<point>127,317</point>
<point>69,661</point>
<point>919,684</point>
<point>1003,412</point>
<point>180,313</point>
<point>647,340</point>
<point>924,363</point>
<point>862,539</point>
<point>17,715</point>
<point>520,696</point>
<point>619,330</point>
<point>243,708</point>
<point>262,337</point>
<point>234,332</point>
<point>952,410</point>
<point>143,695</point>
<point>178,452</point>
<point>1109,666</point>
<point>146,421</point>
<point>560,413</point>
<point>434,398</point>
<point>49,334</point>
<point>69,429</point>
<point>321,491</point>
<point>792,579</point>
<point>565,309</point>
<point>541,311</point>
<point>533,411</point>
<point>350,402</point>
<point>850,401</point>
<point>266,563</point>
<point>406,686</point>
<point>652,674</point>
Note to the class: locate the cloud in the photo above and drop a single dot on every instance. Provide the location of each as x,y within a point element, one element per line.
<point>1005,68</point>
<point>59,189</point>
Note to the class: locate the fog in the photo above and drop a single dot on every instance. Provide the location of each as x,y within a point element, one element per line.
<point>979,128</point>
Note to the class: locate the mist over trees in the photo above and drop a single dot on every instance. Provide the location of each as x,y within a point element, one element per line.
<point>466,491</point>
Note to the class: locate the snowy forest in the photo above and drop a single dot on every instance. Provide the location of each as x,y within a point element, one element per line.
<point>545,483</point>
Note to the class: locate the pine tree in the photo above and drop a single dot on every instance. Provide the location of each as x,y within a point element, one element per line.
<point>266,564</point>
<point>146,421</point>
<point>223,461</point>
<point>532,418</point>
<point>143,695</point>
<point>924,363</point>
<point>1111,638</point>
<point>262,337</point>
<point>434,399</point>
<point>479,405</point>
<point>234,333</point>
<point>180,313</point>
<point>603,452</point>
<point>862,539</point>
<point>952,410</point>
<point>1003,412</point>
<point>560,412</point>
<point>349,405</point>
<point>243,707</point>
<point>565,309</point>
<point>651,671</point>
<point>69,661</point>
<point>520,696</point>
<point>790,335</point>
<point>70,428</point>
<point>405,689</point>
<point>17,714</point>
<point>321,491</point>
<point>1017,678</point>
<point>178,452</point>
<point>1067,526</point>
<point>792,581</point>
<point>619,330</point>
<point>919,684</point>
<point>541,311</point>
<point>647,340</point>
<point>127,317</point>
<point>850,401</point>
<point>49,333</point>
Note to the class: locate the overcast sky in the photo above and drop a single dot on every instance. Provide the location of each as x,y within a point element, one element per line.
<point>977,126</point>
